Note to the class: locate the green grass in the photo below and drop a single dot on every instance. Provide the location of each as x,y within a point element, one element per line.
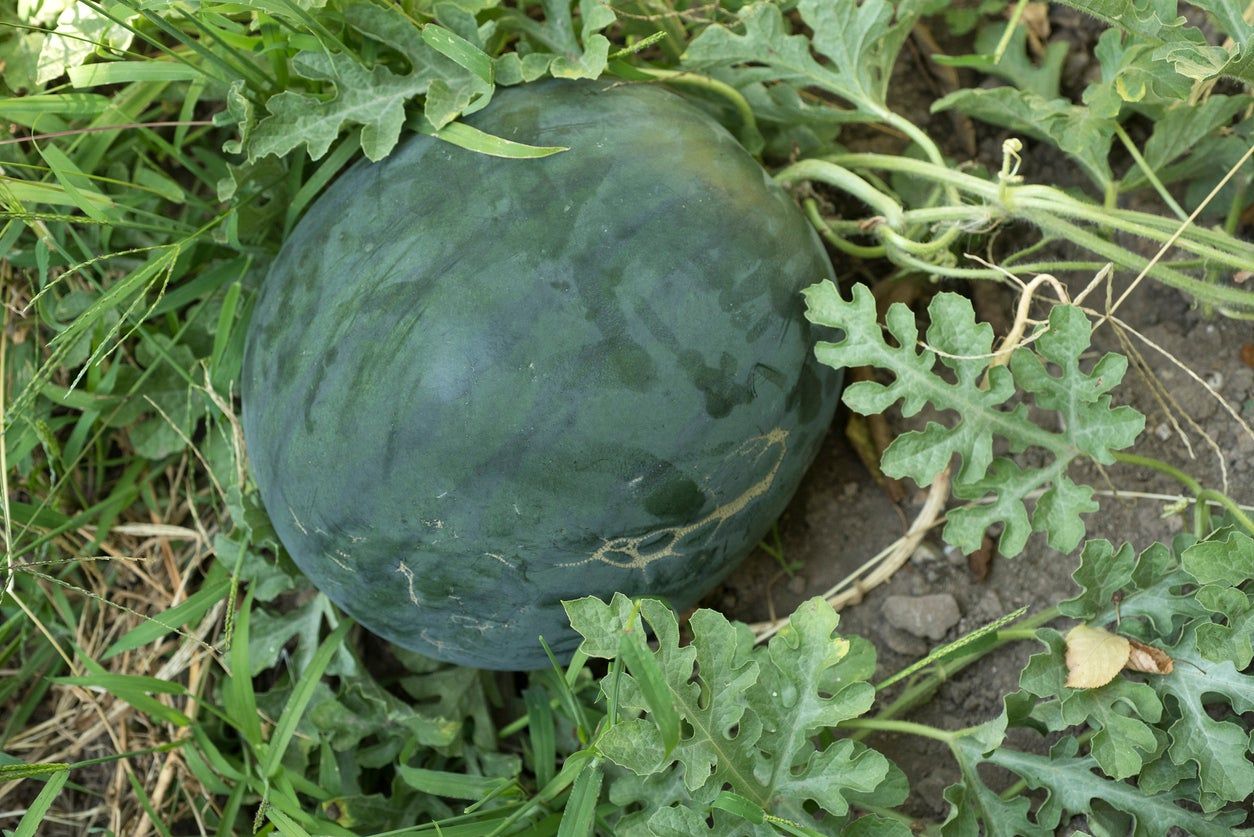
<point>163,667</point>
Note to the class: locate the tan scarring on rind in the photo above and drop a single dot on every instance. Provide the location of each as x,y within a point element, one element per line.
<point>630,546</point>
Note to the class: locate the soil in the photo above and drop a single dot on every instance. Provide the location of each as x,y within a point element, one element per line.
<point>840,517</point>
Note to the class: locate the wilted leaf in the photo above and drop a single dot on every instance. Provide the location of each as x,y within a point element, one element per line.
<point>1095,656</point>
<point>1147,659</point>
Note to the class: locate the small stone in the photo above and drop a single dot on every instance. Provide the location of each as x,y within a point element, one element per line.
<point>798,584</point>
<point>986,609</point>
<point>927,617</point>
<point>903,643</point>
<point>1240,382</point>
<point>925,552</point>
<point>1245,444</point>
<point>1163,431</point>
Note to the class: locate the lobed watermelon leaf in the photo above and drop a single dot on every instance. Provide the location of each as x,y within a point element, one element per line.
<point>373,97</point>
<point>984,412</point>
<point>749,717</point>
<point>1162,728</point>
<point>1175,41</point>
<point>1077,130</point>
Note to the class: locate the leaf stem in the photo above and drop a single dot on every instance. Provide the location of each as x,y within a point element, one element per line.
<point>1036,203</point>
<point>1203,494</point>
<point>844,245</point>
<point>1149,173</point>
<point>825,171</point>
<point>906,727</point>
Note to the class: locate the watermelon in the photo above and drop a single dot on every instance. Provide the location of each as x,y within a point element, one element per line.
<point>474,387</point>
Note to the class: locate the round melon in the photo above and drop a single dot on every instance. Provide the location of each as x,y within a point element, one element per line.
<point>476,387</point>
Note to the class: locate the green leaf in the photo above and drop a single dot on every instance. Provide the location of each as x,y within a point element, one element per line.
<point>751,715</point>
<point>1131,73</point>
<point>1225,568</point>
<point>1081,133</point>
<point>1072,788</point>
<point>972,803</point>
<point>1015,65</point>
<point>455,696</point>
<point>1173,40</point>
<point>272,631</point>
<point>80,32</point>
<point>1181,128</point>
<point>858,42</point>
<point>374,98</point>
<point>1122,712</point>
<point>1093,428</point>
<point>1150,598</point>
<point>362,709</point>
<point>301,694</point>
<point>1103,572</point>
<point>1227,15</point>
<point>860,39</point>
<point>554,46</point>
<point>38,809</point>
<point>1144,586</point>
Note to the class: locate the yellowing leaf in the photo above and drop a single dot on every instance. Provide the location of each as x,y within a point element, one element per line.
<point>1094,656</point>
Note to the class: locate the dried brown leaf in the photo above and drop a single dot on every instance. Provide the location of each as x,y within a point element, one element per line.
<point>1148,659</point>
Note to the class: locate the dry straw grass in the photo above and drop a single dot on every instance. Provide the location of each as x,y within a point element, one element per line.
<point>146,566</point>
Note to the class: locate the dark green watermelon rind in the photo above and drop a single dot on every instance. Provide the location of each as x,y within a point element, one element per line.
<point>474,387</point>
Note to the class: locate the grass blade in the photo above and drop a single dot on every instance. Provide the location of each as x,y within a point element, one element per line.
<point>176,617</point>
<point>472,139</point>
<point>458,50</point>
<point>238,698</point>
<point>450,785</point>
<point>34,815</point>
<point>543,734</point>
<point>13,772</point>
<point>580,813</point>
<point>301,695</point>
<point>126,72</point>
<point>648,674</point>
